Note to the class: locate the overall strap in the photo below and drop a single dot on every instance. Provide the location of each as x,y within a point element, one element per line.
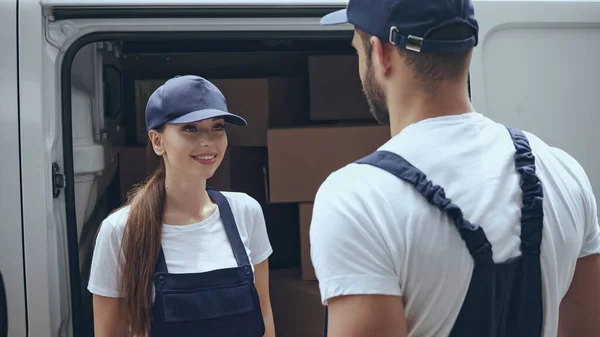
<point>532,212</point>
<point>239,251</point>
<point>477,243</point>
<point>161,263</point>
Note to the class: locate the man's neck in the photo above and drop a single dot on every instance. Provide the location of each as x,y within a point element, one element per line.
<point>446,101</point>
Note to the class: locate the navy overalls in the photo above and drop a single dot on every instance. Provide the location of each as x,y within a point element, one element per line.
<point>503,299</point>
<point>219,303</point>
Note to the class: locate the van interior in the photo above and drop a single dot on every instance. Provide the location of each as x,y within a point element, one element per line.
<point>302,97</point>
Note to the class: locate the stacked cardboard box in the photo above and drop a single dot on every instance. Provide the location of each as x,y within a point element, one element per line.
<point>297,308</point>
<point>263,102</point>
<point>300,130</point>
<point>335,89</point>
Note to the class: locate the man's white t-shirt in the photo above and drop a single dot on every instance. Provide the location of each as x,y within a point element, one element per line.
<point>194,248</point>
<point>372,233</point>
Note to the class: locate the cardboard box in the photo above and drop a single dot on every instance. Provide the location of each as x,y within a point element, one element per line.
<point>242,170</point>
<point>143,90</point>
<point>263,102</point>
<point>306,266</point>
<point>135,166</point>
<point>335,89</point>
<point>297,308</point>
<point>283,225</point>
<point>300,159</point>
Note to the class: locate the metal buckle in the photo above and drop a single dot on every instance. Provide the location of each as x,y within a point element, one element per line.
<point>414,43</point>
<point>392,29</point>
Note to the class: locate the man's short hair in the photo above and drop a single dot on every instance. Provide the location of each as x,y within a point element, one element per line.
<point>433,68</point>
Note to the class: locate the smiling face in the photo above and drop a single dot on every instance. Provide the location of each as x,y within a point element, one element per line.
<point>193,150</point>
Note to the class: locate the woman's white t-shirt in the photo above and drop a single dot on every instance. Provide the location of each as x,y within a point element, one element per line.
<point>194,248</point>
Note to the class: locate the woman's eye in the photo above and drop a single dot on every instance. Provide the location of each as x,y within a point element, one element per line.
<point>189,128</point>
<point>219,127</point>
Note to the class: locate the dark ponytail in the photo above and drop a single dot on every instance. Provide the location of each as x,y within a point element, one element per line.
<point>141,244</point>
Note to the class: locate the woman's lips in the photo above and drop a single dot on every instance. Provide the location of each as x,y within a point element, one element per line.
<point>206,158</point>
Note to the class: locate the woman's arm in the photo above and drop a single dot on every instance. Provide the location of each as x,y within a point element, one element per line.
<point>108,319</point>
<point>261,275</point>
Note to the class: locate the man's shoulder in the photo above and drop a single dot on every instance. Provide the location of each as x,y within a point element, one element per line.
<point>556,162</point>
<point>364,189</point>
<point>352,178</point>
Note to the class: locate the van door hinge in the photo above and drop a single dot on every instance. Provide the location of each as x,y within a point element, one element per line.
<point>57,33</point>
<point>59,181</point>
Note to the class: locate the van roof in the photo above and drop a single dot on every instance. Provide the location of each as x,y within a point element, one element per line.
<point>191,3</point>
<point>187,3</point>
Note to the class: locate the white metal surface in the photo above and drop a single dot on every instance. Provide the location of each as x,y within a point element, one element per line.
<point>63,33</point>
<point>43,217</point>
<point>11,239</point>
<point>537,67</point>
<point>148,3</point>
<point>193,3</point>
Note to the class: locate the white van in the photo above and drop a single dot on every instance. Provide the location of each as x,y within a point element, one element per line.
<point>66,74</point>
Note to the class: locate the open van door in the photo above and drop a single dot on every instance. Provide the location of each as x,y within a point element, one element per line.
<point>12,283</point>
<point>56,165</point>
<point>3,309</point>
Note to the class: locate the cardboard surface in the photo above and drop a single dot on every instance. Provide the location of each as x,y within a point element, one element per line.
<point>307,269</point>
<point>297,308</point>
<point>134,168</point>
<point>300,159</point>
<point>242,171</point>
<point>283,225</point>
<point>143,90</point>
<point>335,89</point>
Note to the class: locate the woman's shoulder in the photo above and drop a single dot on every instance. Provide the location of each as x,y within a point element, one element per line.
<point>114,223</point>
<point>242,202</point>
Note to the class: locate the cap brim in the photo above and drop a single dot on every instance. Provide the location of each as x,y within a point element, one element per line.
<point>200,115</point>
<point>335,18</point>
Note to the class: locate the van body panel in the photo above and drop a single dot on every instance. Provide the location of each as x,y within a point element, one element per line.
<point>536,67</point>
<point>44,231</point>
<point>78,28</point>
<point>151,3</point>
<point>11,232</point>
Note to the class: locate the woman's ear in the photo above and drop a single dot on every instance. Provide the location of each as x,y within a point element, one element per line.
<point>157,142</point>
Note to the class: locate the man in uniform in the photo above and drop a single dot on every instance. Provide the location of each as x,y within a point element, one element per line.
<point>458,225</point>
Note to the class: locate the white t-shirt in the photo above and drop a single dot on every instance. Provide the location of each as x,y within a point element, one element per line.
<point>372,233</point>
<point>194,248</point>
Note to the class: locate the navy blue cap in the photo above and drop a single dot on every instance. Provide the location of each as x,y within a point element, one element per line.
<point>187,99</point>
<point>408,23</point>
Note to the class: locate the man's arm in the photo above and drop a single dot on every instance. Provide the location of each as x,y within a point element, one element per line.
<point>356,270</point>
<point>580,308</point>
<point>366,316</point>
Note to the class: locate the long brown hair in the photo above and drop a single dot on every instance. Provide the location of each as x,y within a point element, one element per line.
<point>141,244</point>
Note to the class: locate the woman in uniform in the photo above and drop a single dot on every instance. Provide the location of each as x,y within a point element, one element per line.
<point>180,259</point>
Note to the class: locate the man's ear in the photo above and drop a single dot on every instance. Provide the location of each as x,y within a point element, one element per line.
<point>382,55</point>
<point>157,142</point>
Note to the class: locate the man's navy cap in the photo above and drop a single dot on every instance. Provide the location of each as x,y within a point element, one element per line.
<point>187,99</point>
<point>408,23</point>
